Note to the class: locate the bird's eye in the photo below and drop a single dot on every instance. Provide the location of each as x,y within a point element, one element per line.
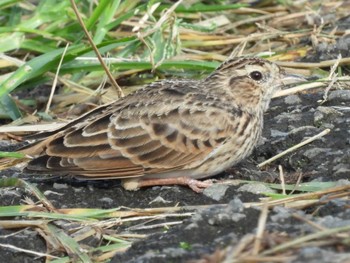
<point>256,75</point>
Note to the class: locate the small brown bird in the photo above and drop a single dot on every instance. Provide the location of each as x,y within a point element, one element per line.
<point>169,132</point>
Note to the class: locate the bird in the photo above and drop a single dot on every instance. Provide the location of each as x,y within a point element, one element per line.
<point>172,131</point>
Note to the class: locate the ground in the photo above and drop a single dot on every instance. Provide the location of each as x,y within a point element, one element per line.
<point>225,223</point>
<point>223,220</point>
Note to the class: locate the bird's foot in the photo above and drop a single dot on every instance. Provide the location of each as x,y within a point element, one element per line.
<point>199,186</point>
<point>196,185</point>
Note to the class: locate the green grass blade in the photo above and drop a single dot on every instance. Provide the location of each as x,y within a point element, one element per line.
<point>103,249</point>
<point>9,211</point>
<point>143,65</point>
<point>10,42</point>
<point>125,16</point>
<point>12,155</point>
<point>8,3</point>
<point>305,187</point>
<point>199,7</point>
<point>36,67</point>
<point>8,108</point>
<point>106,17</point>
<point>16,182</point>
<point>69,243</point>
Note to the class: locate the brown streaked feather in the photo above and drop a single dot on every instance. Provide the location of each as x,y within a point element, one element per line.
<point>57,147</point>
<point>80,138</point>
<point>169,127</point>
<point>163,139</point>
<point>78,121</point>
<point>141,142</point>
<point>98,126</point>
<point>105,164</point>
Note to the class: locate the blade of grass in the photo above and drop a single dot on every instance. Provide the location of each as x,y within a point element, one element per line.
<point>300,240</point>
<point>306,187</point>
<point>104,12</point>
<point>97,52</point>
<point>199,7</point>
<point>104,249</point>
<point>10,211</point>
<point>98,12</point>
<point>7,3</point>
<point>125,16</point>
<point>15,209</point>
<point>37,66</point>
<point>16,182</point>
<point>12,155</point>
<point>8,108</point>
<point>76,66</point>
<point>69,244</point>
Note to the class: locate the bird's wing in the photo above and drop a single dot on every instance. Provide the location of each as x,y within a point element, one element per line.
<point>134,142</point>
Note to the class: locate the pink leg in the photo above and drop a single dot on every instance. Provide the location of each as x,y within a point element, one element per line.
<point>195,185</point>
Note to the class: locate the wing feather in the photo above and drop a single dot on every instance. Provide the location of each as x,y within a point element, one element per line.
<point>137,139</point>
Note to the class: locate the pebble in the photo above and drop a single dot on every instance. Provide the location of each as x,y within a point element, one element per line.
<point>107,200</point>
<point>60,186</point>
<point>342,95</point>
<point>236,205</point>
<point>341,168</point>
<point>277,133</point>
<point>332,222</point>
<point>256,188</point>
<point>317,255</point>
<point>343,182</point>
<point>313,152</point>
<point>292,99</point>
<point>306,130</point>
<point>216,191</point>
<point>324,115</point>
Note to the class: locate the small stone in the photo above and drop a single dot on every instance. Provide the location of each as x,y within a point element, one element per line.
<point>342,182</point>
<point>49,192</point>
<point>236,205</point>
<point>60,186</point>
<point>341,95</point>
<point>287,116</point>
<point>305,130</point>
<point>312,153</point>
<point>292,99</point>
<point>256,188</point>
<point>216,191</point>
<point>341,169</point>
<point>331,221</point>
<point>325,115</point>
<point>280,214</point>
<point>277,133</point>
<point>107,200</point>
<point>78,189</point>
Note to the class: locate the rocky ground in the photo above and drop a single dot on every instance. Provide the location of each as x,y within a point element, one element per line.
<point>213,232</point>
<point>222,224</point>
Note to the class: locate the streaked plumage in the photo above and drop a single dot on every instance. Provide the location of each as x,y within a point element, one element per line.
<point>171,128</point>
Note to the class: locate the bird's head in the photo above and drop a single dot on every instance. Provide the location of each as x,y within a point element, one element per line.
<point>250,82</point>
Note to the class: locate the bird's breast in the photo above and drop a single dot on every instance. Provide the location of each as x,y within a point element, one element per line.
<point>238,146</point>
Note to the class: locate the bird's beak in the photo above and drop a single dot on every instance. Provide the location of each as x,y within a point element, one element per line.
<point>287,79</point>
